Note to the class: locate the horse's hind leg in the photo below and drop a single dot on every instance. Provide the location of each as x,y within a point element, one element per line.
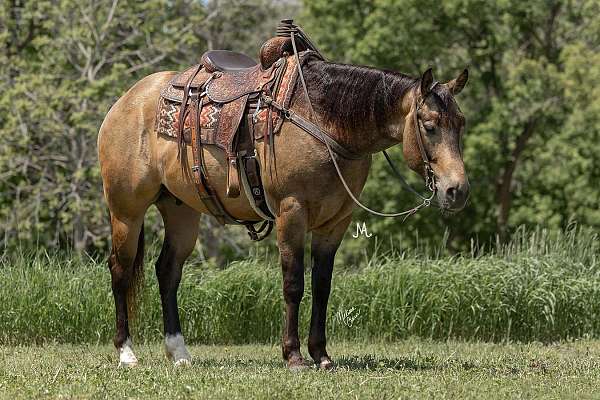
<point>125,264</point>
<point>323,248</point>
<point>181,231</point>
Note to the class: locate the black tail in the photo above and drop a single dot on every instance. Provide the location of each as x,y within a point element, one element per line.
<point>136,282</point>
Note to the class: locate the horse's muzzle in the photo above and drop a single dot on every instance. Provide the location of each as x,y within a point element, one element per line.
<point>452,195</point>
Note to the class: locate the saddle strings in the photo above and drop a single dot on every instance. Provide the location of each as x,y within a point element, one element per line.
<point>293,30</point>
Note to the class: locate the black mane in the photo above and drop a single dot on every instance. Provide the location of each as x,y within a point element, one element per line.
<point>352,96</point>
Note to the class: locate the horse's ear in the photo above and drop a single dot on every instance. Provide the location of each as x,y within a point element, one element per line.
<point>426,81</point>
<point>457,85</point>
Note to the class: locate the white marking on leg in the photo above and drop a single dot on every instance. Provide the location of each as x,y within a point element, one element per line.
<point>176,350</point>
<point>126,356</point>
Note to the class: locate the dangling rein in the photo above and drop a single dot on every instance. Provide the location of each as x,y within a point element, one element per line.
<point>332,146</point>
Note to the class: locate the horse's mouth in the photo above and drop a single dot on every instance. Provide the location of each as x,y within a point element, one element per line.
<point>448,210</point>
<point>449,207</point>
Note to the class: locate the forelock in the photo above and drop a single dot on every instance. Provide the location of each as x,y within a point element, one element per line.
<point>445,100</point>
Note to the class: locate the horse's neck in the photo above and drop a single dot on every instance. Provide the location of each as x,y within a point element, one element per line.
<point>372,139</point>
<point>349,106</point>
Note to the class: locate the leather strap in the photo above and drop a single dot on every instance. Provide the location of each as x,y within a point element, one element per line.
<point>312,129</point>
<point>183,110</point>
<point>205,191</point>
<point>429,175</point>
<point>253,186</point>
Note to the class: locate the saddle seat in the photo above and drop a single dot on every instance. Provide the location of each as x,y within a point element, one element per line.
<point>226,61</point>
<point>222,86</point>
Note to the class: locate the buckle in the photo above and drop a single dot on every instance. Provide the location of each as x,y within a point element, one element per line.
<point>267,99</point>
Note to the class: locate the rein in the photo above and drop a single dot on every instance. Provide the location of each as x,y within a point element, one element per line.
<point>315,131</point>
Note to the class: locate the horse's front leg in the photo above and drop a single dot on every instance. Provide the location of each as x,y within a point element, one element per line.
<point>291,232</point>
<point>323,248</point>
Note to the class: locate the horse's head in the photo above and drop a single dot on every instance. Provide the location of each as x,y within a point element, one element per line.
<point>435,116</point>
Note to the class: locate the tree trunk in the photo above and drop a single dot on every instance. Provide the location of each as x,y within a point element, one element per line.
<point>503,191</point>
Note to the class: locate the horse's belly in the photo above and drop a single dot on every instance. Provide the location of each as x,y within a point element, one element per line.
<point>183,187</point>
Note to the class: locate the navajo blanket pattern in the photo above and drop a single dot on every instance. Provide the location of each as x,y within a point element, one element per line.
<point>167,123</point>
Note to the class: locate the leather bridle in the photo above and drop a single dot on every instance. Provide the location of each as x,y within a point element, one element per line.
<point>429,174</point>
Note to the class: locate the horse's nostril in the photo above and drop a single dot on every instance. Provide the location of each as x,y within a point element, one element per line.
<point>451,193</point>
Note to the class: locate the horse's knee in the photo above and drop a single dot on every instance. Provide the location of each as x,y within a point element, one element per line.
<point>125,239</point>
<point>293,288</point>
<point>119,273</point>
<point>181,228</point>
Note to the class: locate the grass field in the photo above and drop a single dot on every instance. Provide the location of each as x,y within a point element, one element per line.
<point>539,288</point>
<point>412,369</point>
<point>521,321</point>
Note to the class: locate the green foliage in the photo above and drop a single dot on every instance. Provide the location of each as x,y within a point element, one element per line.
<point>540,287</point>
<point>59,80</point>
<point>531,104</point>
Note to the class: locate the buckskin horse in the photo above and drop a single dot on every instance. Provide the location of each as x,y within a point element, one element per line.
<point>300,147</point>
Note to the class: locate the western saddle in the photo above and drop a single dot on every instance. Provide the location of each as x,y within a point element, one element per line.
<point>218,103</point>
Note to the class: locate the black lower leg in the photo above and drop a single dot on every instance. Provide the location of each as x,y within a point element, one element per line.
<point>168,272</point>
<point>323,258</point>
<point>293,290</point>
<point>120,284</point>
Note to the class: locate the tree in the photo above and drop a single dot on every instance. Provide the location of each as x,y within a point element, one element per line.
<point>524,61</point>
<point>67,63</point>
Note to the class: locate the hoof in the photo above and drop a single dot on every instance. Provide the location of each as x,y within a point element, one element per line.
<point>128,364</point>
<point>297,364</point>
<point>126,356</point>
<point>176,350</point>
<point>326,364</point>
<point>182,363</point>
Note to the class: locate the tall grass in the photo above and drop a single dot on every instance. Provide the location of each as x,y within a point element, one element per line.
<point>540,287</point>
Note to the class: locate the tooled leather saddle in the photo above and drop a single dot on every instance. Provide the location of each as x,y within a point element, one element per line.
<point>217,103</point>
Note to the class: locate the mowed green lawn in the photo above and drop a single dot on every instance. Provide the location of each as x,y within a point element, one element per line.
<point>409,369</point>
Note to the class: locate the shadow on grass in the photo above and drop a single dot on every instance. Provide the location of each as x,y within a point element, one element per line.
<point>371,362</point>
<point>237,363</point>
<point>349,362</point>
<point>356,363</point>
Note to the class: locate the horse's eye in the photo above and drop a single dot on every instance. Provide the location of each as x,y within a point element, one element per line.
<point>429,127</point>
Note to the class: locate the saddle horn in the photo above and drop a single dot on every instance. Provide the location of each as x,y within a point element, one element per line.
<point>275,48</point>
